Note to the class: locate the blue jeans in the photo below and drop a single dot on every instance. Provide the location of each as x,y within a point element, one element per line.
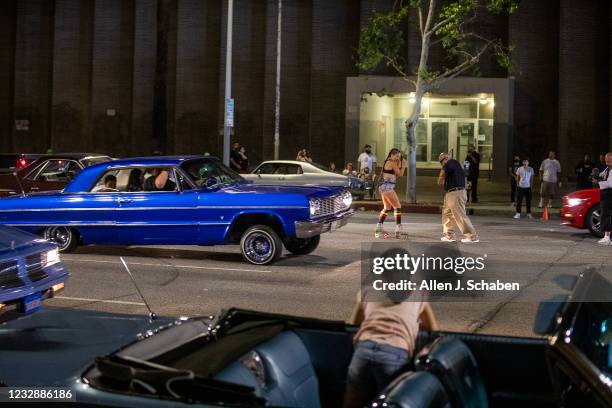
<point>375,365</point>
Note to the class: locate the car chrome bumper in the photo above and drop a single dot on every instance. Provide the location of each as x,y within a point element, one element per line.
<point>307,229</point>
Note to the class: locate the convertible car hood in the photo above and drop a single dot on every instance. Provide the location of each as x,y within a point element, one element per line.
<point>53,346</point>
<point>251,188</point>
<point>14,239</point>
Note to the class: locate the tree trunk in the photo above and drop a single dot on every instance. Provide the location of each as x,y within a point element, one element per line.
<point>411,124</point>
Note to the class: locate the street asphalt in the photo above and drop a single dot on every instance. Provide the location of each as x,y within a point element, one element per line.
<point>190,280</point>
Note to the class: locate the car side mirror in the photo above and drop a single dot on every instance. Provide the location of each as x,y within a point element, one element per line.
<point>545,321</point>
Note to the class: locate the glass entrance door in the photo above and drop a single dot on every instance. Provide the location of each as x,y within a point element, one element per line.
<point>463,134</point>
<point>439,138</point>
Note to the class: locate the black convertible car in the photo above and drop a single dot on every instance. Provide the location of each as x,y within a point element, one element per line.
<point>244,358</point>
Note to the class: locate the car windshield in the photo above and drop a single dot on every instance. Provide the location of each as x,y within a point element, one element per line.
<point>209,172</point>
<point>90,161</point>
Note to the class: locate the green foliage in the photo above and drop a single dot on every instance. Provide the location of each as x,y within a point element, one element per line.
<point>381,40</point>
<point>503,6</point>
<point>453,14</point>
<point>427,76</point>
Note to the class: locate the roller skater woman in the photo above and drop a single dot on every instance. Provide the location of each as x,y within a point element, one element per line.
<point>392,168</point>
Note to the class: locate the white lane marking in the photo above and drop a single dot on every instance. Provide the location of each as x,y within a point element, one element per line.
<point>171,265</point>
<point>121,302</point>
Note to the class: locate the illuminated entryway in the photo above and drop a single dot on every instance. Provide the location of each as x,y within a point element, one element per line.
<point>460,112</point>
<point>448,123</point>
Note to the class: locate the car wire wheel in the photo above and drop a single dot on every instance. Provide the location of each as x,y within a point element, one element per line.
<point>594,221</point>
<point>64,237</point>
<point>260,245</point>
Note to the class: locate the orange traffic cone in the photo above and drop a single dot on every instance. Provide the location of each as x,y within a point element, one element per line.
<point>545,214</point>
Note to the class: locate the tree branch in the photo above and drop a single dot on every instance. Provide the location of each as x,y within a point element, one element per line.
<point>421,20</point>
<point>468,63</point>
<point>430,12</point>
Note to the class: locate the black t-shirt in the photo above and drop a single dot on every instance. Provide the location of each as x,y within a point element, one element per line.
<point>454,175</point>
<point>235,156</point>
<point>474,160</point>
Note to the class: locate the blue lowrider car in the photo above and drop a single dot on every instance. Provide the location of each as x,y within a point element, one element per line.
<point>30,271</point>
<point>181,201</point>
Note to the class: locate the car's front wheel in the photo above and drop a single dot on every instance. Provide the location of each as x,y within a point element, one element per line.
<point>261,245</point>
<point>593,221</point>
<point>302,246</point>
<point>65,238</point>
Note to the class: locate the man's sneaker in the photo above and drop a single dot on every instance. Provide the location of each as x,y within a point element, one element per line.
<point>447,239</point>
<point>605,241</point>
<point>529,216</point>
<point>517,216</point>
<point>470,240</point>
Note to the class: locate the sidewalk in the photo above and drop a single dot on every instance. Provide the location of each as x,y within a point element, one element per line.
<point>494,199</point>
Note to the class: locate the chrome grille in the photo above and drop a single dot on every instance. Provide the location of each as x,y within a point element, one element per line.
<point>9,277</point>
<point>331,205</point>
<point>34,267</point>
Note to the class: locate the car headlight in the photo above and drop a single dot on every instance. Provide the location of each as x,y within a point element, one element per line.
<point>347,199</point>
<point>572,202</point>
<point>50,257</point>
<point>315,206</point>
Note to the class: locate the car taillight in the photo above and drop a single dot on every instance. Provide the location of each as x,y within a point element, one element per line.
<point>21,163</point>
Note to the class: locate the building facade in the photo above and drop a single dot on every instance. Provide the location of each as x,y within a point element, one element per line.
<point>128,77</point>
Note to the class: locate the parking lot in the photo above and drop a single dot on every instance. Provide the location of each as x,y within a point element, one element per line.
<point>188,281</point>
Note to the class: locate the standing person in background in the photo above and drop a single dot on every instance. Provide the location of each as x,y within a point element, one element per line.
<point>366,159</point>
<point>393,167</point>
<point>584,171</point>
<point>550,170</point>
<point>605,187</point>
<point>332,167</point>
<point>601,164</point>
<point>349,170</point>
<point>524,177</point>
<point>304,155</point>
<point>243,160</point>
<point>235,157</point>
<point>516,163</point>
<point>473,158</point>
<point>452,178</point>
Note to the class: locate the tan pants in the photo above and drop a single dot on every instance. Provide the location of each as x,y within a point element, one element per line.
<point>454,212</point>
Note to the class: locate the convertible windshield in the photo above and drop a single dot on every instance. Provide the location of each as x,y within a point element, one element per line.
<point>209,172</point>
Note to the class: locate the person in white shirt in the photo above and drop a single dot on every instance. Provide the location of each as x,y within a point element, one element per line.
<point>524,177</point>
<point>366,159</point>
<point>550,169</point>
<point>605,193</point>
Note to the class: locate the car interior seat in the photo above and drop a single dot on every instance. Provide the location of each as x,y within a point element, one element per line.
<point>419,389</point>
<point>280,370</point>
<point>455,366</point>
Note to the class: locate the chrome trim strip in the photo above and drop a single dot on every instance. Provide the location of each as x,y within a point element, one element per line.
<point>248,207</point>
<point>307,229</point>
<point>114,224</point>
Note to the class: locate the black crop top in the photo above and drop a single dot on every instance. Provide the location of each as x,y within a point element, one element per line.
<point>388,171</point>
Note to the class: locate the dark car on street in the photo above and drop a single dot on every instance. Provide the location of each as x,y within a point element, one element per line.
<point>244,358</point>
<point>10,162</point>
<point>47,172</point>
<point>30,271</point>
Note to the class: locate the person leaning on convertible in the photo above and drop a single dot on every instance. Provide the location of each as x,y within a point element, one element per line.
<point>384,343</point>
<point>159,181</point>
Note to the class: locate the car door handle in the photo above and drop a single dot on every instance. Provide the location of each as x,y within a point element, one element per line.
<point>125,200</point>
<point>34,188</point>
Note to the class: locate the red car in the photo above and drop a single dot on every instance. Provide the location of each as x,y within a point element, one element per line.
<point>581,210</point>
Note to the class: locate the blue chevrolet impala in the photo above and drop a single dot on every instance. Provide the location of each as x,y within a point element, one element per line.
<point>30,271</point>
<point>191,200</point>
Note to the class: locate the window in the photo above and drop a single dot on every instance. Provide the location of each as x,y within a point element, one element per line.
<point>209,172</point>
<point>267,168</point>
<point>56,170</point>
<point>421,139</point>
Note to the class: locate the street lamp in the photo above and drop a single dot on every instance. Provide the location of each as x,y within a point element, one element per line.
<point>228,121</point>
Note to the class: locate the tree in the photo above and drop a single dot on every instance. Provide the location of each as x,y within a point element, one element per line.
<point>448,23</point>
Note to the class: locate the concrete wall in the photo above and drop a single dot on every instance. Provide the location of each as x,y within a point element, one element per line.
<point>127,77</point>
